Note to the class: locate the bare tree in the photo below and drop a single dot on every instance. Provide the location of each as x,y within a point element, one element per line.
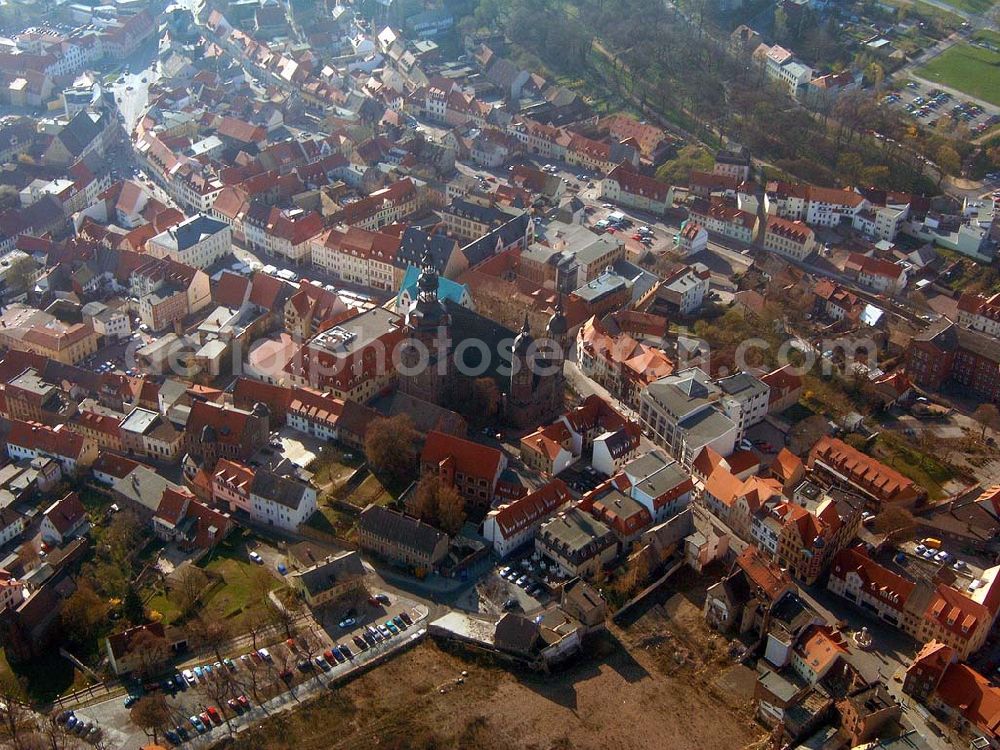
<point>15,713</point>
<point>988,417</point>
<point>212,633</point>
<point>151,651</point>
<point>151,714</point>
<point>895,523</point>
<point>218,688</point>
<point>188,586</point>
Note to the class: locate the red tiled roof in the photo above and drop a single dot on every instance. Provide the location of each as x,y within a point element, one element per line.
<point>247,392</point>
<point>973,696</point>
<point>35,436</point>
<point>520,514</point>
<point>763,574</point>
<point>877,581</point>
<point>360,243</point>
<point>548,440</point>
<point>956,612</point>
<point>634,183</point>
<point>866,472</point>
<point>238,130</point>
<point>66,513</point>
<point>858,263</point>
<point>172,506</point>
<point>316,406</point>
<point>470,458</point>
<point>792,230</point>
<point>114,465</point>
<point>266,291</point>
<point>230,290</point>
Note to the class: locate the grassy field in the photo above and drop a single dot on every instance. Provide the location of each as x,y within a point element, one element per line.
<point>968,68</point>
<point>990,37</point>
<point>233,593</point>
<point>924,469</point>
<point>971,6</point>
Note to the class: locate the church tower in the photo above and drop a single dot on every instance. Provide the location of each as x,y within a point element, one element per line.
<point>522,369</point>
<point>425,359</point>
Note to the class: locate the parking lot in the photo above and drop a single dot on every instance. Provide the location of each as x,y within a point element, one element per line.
<point>208,697</point>
<point>927,103</point>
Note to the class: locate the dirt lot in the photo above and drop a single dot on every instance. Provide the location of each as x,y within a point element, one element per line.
<point>632,693</point>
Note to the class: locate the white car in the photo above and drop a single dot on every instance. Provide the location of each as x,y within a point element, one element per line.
<point>347,622</point>
<point>189,677</point>
<point>255,557</point>
<point>264,654</point>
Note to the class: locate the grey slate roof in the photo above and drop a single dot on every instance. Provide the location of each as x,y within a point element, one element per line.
<point>409,532</point>
<point>331,571</point>
<point>278,489</point>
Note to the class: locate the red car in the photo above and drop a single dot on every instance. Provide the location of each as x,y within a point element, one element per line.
<point>206,719</point>
<point>243,701</point>
<point>213,712</point>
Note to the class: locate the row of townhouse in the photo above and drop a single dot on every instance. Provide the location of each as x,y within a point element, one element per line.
<point>357,255</point>
<point>189,182</point>
<point>618,362</point>
<point>924,609</point>
<point>284,233</point>
<point>800,531</point>
<point>386,206</point>
<point>593,427</point>
<point>880,217</point>
<point>626,187</point>
<point>724,217</point>
<point>268,499</point>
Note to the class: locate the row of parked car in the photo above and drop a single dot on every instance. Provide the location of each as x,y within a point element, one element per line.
<point>78,726</point>
<point>520,579</point>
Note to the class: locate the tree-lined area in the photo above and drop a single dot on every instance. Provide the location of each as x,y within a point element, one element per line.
<point>667,65</point>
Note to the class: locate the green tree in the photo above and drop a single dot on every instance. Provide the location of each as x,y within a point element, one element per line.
<point>390,447</point>
<point>849,167</point>
<point>132,607</point>
<point>948,161</point>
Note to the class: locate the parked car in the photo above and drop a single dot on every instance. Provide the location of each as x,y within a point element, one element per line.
<point>198,724</point>
<point>347,623</point>
<point>256,558</point>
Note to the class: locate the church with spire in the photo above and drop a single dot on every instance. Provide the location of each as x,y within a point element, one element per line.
<point>452,341</point>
